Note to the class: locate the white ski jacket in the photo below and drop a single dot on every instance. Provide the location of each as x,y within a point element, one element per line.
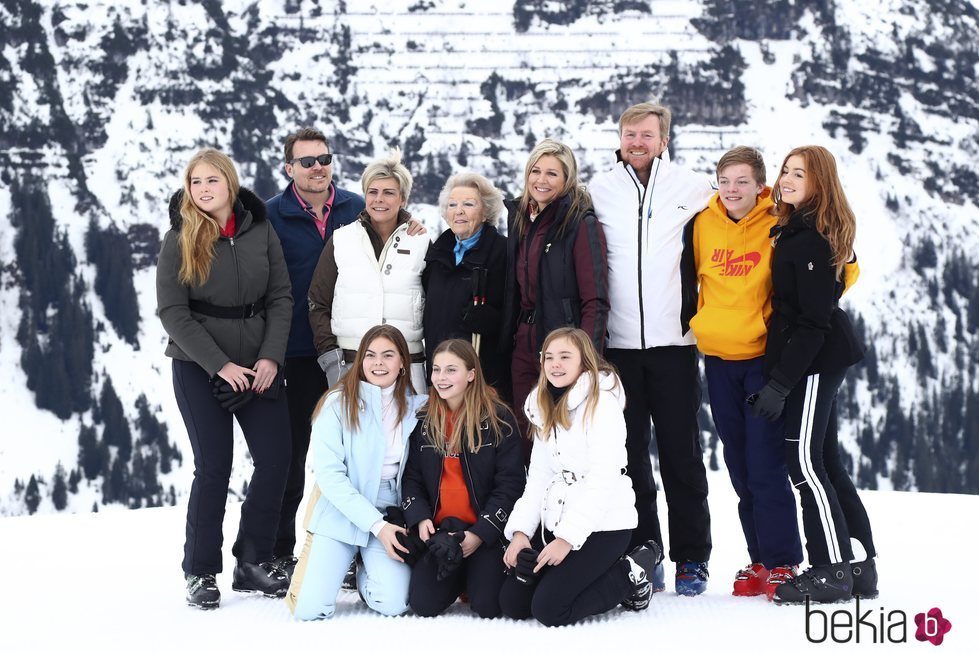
<point>577,482</point>
<point>651,302</point>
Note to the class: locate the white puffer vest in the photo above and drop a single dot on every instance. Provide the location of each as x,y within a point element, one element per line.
<point>371,291</point>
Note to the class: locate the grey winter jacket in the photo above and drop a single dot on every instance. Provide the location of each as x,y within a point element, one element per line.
<point>246,268</point>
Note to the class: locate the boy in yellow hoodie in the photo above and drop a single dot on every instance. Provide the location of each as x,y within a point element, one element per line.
<point>732,253</point>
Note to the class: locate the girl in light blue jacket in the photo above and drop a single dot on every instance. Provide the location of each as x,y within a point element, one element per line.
<point>359,442</point>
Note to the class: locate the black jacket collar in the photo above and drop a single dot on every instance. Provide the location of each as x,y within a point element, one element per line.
<point>443,249</point>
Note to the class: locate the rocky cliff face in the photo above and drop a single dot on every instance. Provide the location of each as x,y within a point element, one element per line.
<point>102,103</point>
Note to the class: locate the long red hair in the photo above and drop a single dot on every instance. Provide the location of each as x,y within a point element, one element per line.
<point>827,202</point>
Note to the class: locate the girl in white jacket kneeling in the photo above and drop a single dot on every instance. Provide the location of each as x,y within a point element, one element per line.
<point>578,505</point>
<point>360,444</point>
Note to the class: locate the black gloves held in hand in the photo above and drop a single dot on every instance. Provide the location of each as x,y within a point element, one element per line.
<point>394,515</point>
<point>445,546</point>
<point>526,561</point>
<point>770,400</point>
<point>226,395</point>
<point>416,548</point>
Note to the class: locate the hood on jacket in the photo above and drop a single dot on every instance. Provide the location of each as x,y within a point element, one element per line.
<point>577,394</point>
<point>246,201</point>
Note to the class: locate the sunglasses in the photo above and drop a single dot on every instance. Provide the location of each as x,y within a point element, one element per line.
<point>309,161</point>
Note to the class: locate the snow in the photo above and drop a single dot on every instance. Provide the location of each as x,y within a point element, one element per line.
<point>113,580</point>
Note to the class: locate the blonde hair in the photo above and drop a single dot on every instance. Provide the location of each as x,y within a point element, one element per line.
<point>827,202</point>
<point>349,384</point>
<point>580,199</point>
<point>490,198</point>
<point>479,403</point>
<point>746,155</point>
<point>389,167</point>
<point>557,414</point>
<point>199,231</point>
<point>638,112</point>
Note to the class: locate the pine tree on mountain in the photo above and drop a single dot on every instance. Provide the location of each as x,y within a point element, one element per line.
<point>32,496</point>
<point>18,486</point>
<point>111,253</point>
<point>116,432</point>
<point>972,311</point>
<point>136,489</point>
<point>926,476</point>
<point>89,452</point>
<point>59,491</point>
<point>166,454</point>
<point>119,480</point>
<point>149,479</point>
<point>941,333</point>
<point>155,433</point>
<point>148,426</point>
<point>900,475</point>
<point>73,478</point>
<point>926,363</point>
<point>925,255</point>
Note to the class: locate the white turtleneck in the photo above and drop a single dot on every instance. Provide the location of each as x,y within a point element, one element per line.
<point>392,434</point>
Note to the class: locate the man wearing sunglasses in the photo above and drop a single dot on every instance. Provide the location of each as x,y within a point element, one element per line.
<point>304,217</point>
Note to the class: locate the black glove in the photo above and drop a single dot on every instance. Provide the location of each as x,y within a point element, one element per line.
<point>394,515</point>
<point>526,561</point>
<point>446,546</point>
<point>229,399</point>
<point>416,548</point>
<point>770,400</point>
<point>482,319</point>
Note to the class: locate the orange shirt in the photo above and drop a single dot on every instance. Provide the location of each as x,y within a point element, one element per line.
<point>453,493</point>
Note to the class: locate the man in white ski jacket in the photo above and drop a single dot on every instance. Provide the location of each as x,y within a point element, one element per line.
<point>644,203</point>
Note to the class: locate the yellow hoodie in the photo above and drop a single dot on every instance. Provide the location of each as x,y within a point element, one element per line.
<point>734,270</point>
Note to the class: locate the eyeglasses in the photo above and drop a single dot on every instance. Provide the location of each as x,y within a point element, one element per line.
<point>309,161</point>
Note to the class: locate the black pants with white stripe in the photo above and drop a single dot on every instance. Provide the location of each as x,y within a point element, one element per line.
<point>832,512</point>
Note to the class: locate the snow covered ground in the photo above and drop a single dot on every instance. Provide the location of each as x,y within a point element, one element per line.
<point>111,582</point>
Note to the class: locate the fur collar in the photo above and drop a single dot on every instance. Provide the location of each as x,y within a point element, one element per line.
<point>246,201</point>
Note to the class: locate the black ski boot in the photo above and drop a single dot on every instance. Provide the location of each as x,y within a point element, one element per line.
<point>202,591</point>
<point>286,564</point>
<point>865,579</point>
<point>261,578</point>
<point>822,584</point>
<point>350,578</point>
<point>641,562</point>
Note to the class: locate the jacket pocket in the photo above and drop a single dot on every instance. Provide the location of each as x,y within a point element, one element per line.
<point>730,331</point>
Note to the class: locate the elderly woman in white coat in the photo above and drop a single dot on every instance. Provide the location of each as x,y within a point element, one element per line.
<point>578,498</point>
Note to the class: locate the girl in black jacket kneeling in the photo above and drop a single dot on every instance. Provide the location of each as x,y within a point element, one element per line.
<point>464,473</point>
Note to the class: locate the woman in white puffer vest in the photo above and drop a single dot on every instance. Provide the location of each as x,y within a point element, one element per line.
<point>574,521</point>
<point>370,273</point>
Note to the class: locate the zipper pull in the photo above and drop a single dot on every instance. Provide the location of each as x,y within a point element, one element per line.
<point>547,248</point>
<point>232,239</point>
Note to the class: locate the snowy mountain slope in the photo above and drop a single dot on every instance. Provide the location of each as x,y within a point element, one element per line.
<point>113,581</point>
<point>101,103</point>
